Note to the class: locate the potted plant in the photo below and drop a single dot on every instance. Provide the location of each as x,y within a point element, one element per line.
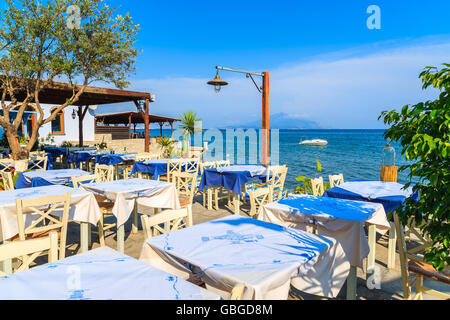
<point>188,124</point>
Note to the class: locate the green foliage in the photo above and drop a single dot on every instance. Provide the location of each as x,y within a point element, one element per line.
<point>167,146</point>
<point>67,144</point>
<point>101,146</point>
<point>189,122</point>
<point>423,131</point>
<point>49,140</point>
<point>305,182</point>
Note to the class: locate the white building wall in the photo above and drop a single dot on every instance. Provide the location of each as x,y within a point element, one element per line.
<point>70,126</point>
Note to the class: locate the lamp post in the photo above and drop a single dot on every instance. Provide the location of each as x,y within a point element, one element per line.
<point>218,83</point>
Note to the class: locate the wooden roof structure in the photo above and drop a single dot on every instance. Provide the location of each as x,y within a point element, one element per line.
<point>131,117</point>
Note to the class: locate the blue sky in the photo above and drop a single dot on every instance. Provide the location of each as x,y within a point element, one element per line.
<point>325,64</point>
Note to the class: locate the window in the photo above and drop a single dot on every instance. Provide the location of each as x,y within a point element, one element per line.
<point>58,123</point>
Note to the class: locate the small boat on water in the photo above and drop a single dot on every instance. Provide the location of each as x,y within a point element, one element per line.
<point>314,142</point>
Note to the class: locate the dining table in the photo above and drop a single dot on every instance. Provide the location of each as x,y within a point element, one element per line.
<point>232,178</point>
<point>84,209</point>
<point>265,258</point>
<point>99,274</point>
<point>29,179</point>
<point>343,220</point>
<point>128,194</point>
<point>157,167</point>
<point>390,194</point>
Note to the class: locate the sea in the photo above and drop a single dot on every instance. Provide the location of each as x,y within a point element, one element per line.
<point>356,153</point>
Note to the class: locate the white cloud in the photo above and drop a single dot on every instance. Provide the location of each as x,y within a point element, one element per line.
<point>338,92</point>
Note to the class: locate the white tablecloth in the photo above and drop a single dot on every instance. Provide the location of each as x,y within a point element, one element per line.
<point>340,219</point>
<point>262,256</point>
<point>376,189</point>
<point>254,170</point>
<point>124,193</point>
<point>60,177</point>
<point>100,274</point>
<point>84,207</point>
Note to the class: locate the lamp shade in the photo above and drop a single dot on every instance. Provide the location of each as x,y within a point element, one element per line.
<point>217,82</point>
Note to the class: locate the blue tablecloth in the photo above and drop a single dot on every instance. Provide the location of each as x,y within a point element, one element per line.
<point>100,274</point>
<point>80,156</point>
<point>389,194</point>
<point>114,159</point>
<point>231,178</point>
<point>154,168</point>
<point>56,151</point>
<point>46,178</point>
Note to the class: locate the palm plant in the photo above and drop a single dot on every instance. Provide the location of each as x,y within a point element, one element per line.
<point>189,124</point>
<point>166,145</point>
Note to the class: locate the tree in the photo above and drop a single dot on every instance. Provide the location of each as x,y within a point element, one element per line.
<point>76,41</point>
<point>423,131</point>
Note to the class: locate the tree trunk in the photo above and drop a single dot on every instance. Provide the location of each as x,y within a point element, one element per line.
<point>17,152</point>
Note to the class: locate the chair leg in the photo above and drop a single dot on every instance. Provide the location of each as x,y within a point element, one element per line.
<point>134,228</point>
<point>351,284</point>
<point>216,198</point>
<point>392,246</point>
<point>419,288</point>
<point>209,195</point>
<point>101,233</point>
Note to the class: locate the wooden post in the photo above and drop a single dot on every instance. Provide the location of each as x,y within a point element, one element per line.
<point>129,127</point>
<point>389,173</point>
<point>160,129</point>
<point>81,115</point>
<point>147,125</point>
<point>265,120</point>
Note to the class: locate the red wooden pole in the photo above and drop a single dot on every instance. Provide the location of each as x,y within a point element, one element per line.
<point>265,120</point>
<point>147,126</point>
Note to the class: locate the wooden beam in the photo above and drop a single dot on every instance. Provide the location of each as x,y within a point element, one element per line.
<point>147,125</point>
<point>265,120</point>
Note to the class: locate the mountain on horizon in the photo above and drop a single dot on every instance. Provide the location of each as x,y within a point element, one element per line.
<point>283,121</point>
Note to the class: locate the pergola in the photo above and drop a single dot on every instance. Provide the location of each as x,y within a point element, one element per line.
<point>129,118</point>
<point>59,92</point>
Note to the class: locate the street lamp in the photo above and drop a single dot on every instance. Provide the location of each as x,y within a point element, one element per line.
<point>74,115</point>
<point>218,83</point>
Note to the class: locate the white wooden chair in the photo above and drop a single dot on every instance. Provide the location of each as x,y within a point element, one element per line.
<point>8,183</point>
<point>104,204</point>
<point>173,166</point>
<point>191,166</point>
<point>44,222</point>
<point>258,198</point>
<point>336,180</point>
<point>412,262</point>
<point>203,166</point>
<point>171,220</point>
<point>276,177</point>
<point>146,156</point>
<point>219,193</point>
<point>237,292</point>
<point>317,187</point>
<point>186,185</point>
<point>28,250</point>
<point>104,172</point>
<point>38,163</point>
<point>127,173</point>
<point>5,164</point>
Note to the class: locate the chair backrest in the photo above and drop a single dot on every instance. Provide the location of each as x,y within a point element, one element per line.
<point>146,156</point>
<point>414,252</point>
<point>38,163</point>
<point>88,178</point>
<point>5,164</point>
<point>258,198</point>
<point>191,165</point>
<point>42,209</point>
<point>237,292</point>
<point>171,220</point>
<point>276,176</point>
<point>317,186</point>
<point>29,250</point>
<point>104,172</point>
<point>206,165</point>
<point>223,163</point>
<point>8,183</point>
<point>336,180</point>
<point>186,184</point>
<point>173,166</point>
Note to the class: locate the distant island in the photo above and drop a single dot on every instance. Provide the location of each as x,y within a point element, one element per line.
<point>283,121</point>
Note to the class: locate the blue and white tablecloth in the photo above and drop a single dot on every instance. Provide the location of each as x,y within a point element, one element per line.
<point>84,207</point>
<point>238,250</point>
<point>56,151</point>
<point>50,177</point>
<point>100,274</point>
<point>341,219</point>
<point>124,193</point>
<point>156,168</point>
<point>232,177</point>
<point>80,156</point>
<point>389,194</point>
<point>114,159</point>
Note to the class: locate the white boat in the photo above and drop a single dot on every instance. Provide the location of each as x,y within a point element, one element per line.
<point>314,142</point>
